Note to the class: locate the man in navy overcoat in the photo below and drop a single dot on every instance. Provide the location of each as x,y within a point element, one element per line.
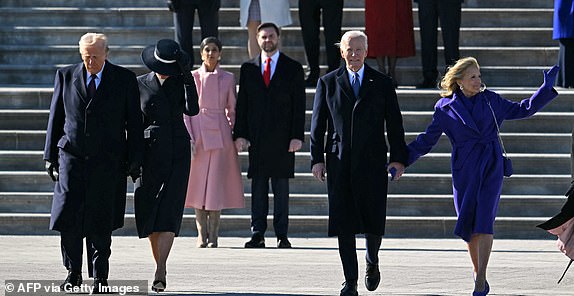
<point>94,140</point>
<point>353,105</point>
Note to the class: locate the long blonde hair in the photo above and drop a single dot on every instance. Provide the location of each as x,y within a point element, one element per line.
<point>449,84</point>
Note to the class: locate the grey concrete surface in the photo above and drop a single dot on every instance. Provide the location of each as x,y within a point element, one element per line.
<point>409,266</point>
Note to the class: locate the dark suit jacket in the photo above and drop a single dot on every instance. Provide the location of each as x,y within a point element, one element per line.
<point>95,142</point>
<point>269,117</point>
<point>355,147</point>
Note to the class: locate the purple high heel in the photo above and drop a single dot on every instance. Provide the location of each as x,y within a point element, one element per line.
<point>483,293</point>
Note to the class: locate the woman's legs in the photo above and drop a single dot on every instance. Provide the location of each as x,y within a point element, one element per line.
<point>201,224</point>
<point>161,243</point>
<point>213,232</point>
<point>252,45</point>
<point>479,249</point>
<point>381,64</point>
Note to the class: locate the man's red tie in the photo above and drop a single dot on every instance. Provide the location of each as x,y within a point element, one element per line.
<point>267,72</point>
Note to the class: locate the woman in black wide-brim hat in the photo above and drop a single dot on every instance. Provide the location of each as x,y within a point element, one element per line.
<point>166,94</point>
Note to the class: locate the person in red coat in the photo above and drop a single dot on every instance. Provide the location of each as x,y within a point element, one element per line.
<point>389,25</point>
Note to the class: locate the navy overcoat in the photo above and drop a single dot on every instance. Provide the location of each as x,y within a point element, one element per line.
<point>355,148</point>
<point>95,143</point>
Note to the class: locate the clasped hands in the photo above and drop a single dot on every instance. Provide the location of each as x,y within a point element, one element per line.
<point>242,144</point>
<point>319,171</point>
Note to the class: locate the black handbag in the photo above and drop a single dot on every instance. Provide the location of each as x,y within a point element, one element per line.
<point>506,161</point>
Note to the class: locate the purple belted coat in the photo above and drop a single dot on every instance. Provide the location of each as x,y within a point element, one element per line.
<point>476,160</point>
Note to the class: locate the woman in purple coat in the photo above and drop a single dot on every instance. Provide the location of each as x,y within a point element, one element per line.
<point>465,113</point>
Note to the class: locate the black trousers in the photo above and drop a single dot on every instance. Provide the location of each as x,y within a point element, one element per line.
<point>260,205</point>
<point>309,17</point>
<point>98,248</point>
<point>566,63</point>
<point>430,11</point>
<point>348,253</point>
<point>208,12</point>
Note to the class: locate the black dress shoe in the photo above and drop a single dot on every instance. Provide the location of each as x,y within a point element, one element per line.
<point>100,286</point>
<point>256,241</point>
<point>372,277</point>
<point>74,279</point>
<point>350,289</point>
<point>283,243</point>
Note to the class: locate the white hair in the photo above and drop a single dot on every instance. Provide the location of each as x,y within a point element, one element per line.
<point>89,39</point>
<point>346,38</point>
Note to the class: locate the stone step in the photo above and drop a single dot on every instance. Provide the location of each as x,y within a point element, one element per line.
<point>229,16</point>
<point>496,76</point>
<point>305,183</point>
<point>305,226</point>
<point>234,3</point>
<point>236,55</point>
<point>514,142</point>
<point>410,99</point>
<point>413,121</point>
<point>317,204</point>
<point>235,35</point>
<point>432,163</point>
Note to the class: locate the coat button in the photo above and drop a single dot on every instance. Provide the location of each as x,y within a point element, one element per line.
<point>87,134</point>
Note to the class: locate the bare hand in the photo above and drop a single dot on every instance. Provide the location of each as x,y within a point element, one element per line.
<point>295,145</point>
<point>397,166</point>
<point>318,170</point>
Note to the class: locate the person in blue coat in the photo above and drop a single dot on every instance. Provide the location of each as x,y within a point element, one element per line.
<point>564,33</point>
<point>465,113</point>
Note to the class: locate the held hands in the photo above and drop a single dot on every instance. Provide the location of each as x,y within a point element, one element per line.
<point>53,169</point>
<point>399,167</point>
<point>550,76</point>
<point>241,144</point>
<point>295,145</point>
<point>318,171</point>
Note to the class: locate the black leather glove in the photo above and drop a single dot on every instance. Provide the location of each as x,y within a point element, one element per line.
<point>172,5</point>
<point>53,170</point>
<point>183,62</point>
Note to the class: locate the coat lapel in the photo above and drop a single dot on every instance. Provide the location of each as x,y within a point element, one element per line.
<point>367,83</point>
<point>458,108</point>
<point>80,82</point>
<point>104,87</point>
<point>345,84</point>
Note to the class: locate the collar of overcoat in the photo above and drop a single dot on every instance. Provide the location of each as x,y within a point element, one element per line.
<point>79,82</point>
<point>460,111</point>
<point>345,84</point>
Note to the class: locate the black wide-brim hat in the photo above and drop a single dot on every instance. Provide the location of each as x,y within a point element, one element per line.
<point>163,57</point>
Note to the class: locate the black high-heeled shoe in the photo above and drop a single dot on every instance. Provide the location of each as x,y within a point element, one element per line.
<point>158,286</point>
<point>483,293</point>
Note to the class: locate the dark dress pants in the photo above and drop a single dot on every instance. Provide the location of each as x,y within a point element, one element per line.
<point>430,11</point>
<point>98,247</point>
<point>309,17</point>
<point>566,63</point>
<point>208,12</point>
<point>348,253</point>
<point>260,205</point>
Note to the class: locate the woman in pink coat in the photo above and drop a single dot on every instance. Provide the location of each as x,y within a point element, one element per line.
<point>215,178</point>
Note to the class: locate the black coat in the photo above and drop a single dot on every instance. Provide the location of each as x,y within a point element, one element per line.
<point>95,143</point>
<point>355,148</point>
<point>270,117</point>
<point>160,193</point>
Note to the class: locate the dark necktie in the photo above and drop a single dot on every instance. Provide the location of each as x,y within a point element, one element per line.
<point>356,85</point>
<point>267,72</point>
<point>92,87</point>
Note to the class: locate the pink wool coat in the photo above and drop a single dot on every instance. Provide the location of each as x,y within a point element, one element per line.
<point>215,178</point>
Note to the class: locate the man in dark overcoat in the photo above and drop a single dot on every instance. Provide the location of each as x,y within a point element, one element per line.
<point>270,119</point>
<point>94,140</point>
<point>353,105</point>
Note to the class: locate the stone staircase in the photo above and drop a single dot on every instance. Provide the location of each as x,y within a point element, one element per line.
<point>38,36</point>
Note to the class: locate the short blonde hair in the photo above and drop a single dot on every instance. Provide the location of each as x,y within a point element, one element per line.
<point>449,84</point>
<point>92,38</point>
<point>346,38</point>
